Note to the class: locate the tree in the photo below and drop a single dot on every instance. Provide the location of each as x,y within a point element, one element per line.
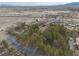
<point>52,41</point>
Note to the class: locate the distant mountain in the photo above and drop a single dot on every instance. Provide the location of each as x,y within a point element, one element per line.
<point>31,4</point>
<point>49,7</point>
<point>73,4</point>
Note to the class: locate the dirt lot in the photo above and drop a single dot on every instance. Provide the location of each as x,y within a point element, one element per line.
<point>8,21</point>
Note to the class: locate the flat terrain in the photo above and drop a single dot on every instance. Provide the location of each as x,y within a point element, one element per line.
<point>8,21</point>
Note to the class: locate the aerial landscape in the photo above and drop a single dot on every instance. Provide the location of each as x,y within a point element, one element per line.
<point>39,29</point>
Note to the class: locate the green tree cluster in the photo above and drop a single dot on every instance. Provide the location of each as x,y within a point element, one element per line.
<point>52,41</point>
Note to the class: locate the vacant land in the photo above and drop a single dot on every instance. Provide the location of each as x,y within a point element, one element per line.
<point>39,31</point>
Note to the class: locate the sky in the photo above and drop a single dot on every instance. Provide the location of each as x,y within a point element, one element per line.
<point>32,3</point>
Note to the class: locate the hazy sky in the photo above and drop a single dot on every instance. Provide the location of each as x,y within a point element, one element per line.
<point>32,3</point>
